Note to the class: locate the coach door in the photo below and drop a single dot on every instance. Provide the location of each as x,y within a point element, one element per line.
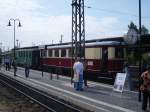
<point>104,62</point>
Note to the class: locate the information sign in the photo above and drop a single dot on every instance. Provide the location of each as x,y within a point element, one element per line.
<point>119,82</point>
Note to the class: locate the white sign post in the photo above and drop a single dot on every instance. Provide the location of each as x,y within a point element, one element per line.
<point>119,82</point>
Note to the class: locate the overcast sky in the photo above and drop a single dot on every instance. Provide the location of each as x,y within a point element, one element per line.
<point>46,20</point>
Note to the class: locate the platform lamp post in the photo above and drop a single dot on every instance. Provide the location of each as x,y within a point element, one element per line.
<point>19,25</point>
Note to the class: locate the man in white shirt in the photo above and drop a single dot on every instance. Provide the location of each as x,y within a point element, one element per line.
<point>78,75</point>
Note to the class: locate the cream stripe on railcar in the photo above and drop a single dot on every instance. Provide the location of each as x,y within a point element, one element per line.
<point>93,53</point>
<point>111,52</point>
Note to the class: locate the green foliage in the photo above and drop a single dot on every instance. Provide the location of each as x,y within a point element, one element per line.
<point>133,26</point>
<point>144,30</point>
<point>146,58</point>
<point>133,57</point>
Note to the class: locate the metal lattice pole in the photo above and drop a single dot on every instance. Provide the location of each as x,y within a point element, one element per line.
<point>78,31</point>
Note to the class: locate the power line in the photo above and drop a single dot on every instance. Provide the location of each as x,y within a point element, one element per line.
<point>114,11</point>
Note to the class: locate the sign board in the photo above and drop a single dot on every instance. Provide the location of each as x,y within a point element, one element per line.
<point>90,63</point>
<point>119,82</point>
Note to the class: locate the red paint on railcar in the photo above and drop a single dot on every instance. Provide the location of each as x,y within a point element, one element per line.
<point>115,65</point>
<point>60,62</point>
<point>93,65</point>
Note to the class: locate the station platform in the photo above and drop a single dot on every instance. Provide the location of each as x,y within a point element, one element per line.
<point>97,97</point>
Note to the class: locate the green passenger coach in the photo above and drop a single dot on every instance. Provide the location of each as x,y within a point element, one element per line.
<point>28,55</point>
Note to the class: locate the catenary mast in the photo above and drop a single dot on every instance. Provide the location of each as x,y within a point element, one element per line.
<point>78,31</point>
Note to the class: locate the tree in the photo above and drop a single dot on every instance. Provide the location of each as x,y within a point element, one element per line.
<point>133,26</point>
<point>134,56</point>
<point>144,30</point>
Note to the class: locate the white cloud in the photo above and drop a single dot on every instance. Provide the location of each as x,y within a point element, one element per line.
<point>45,29</point>
<point>40,29</point>
<point>100,27</point>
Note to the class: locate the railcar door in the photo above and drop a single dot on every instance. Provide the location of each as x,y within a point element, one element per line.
<point>104,62</point>
<point>36,59</point>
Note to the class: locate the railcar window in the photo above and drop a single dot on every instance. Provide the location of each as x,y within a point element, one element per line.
<point>30,54</point>
<point>119,53</point>
<point>23,54</point>
<point>111,52</point>
<point>63,53</point>
<point>57,53</point>
<point>93,53</point>
<point>43,53</point>
<point>70,52</point>
<point>26,53</point>
<point>19,54</point>
<point>50,53</point>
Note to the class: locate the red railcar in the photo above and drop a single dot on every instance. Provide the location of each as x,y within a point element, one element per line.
<point>104,57</point>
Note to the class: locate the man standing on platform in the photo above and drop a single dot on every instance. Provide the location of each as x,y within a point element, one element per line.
<point>78,75</point>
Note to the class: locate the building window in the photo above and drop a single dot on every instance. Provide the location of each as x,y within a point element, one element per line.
<point>57,53</point>
<point>50,53</point>
<point>63,53</point>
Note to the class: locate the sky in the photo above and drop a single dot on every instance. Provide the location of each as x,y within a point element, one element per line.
<point>44,21</point>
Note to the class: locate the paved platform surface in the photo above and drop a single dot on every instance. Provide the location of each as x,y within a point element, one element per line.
<point>97,97</point>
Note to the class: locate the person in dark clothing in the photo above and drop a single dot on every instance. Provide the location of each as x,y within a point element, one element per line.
<point>6,65</point>
<point>145,87</point>
<point>7,62</point>
<point>27,70</point>
<point>127,70</point>
<point>15,69</point>
<point>85,73</point>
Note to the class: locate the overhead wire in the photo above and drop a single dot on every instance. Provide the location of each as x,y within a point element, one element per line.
<point>114,11</point>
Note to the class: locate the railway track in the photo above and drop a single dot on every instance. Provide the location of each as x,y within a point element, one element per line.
<point>49,102</point>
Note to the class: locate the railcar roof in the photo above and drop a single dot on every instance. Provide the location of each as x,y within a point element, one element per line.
<point>102,43</point>
<point>31,48</point>
<point>94,42</point>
